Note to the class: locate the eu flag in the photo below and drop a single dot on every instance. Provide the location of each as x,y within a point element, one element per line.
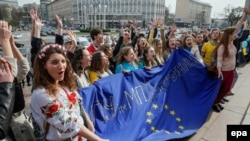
<point>166,102</point>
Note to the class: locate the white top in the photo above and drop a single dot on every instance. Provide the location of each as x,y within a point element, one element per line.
<point>62,113</point>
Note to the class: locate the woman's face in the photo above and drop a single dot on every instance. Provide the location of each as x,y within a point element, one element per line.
<point>109,52</point>
<point>151,54</point>
<point>172,43</point>
<point>104,59</point>
<point>130,57</point>
<point>86,59</point>
<point>142,42</point>
<point>159,45</point>
<point>189,41</point>
<point>56,66</point>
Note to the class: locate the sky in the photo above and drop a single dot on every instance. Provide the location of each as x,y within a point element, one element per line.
<point>217,5</point>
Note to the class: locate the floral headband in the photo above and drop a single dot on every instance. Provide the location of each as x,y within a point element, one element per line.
<point>47,47</point>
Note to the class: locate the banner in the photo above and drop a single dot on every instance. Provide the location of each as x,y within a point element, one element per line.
<point>165,102</point>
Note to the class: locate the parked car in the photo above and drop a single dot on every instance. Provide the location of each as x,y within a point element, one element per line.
<point>17,35</point>
<point>82,41</point>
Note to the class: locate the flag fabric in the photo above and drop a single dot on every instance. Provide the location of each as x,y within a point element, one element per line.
<point>166,102</point>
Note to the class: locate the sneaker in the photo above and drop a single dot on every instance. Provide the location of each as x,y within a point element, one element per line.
<point>216,108</point>
<point>222,102</point>
<point>230,94</point>
<point>221,107</point>
<point>225,100</point>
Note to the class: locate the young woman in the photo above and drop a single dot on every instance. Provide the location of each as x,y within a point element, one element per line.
<point>80,62</point>
<point>148,60</point>
<point>126,60</point>
<point>99,67</point>
<point>189,45</point>
<point>157,44</point>
<point>107,49</point>
<point>226,60</point>
<point>55,103</point>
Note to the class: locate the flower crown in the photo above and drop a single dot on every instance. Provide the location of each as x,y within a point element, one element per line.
<point>47,47</point>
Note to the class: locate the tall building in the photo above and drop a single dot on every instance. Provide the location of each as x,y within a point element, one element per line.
<point>110,13</point>
<point>43,9</point>
<point>194,12</point>
<point>62,8</point>
<point>13,3</point>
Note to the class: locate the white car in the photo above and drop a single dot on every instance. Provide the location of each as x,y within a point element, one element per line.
<point>82,41</point>
<point>17,35</point>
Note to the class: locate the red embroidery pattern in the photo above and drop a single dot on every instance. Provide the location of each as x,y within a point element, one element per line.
<point>51,108</point>
<point>72,99</point>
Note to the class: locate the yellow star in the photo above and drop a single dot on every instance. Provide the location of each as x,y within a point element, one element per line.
<point>167,132</point>
<point>149,114</point>
<point>153,128</point>
<point>172,113</point>
<point>149,121</point>
<point>155,106</point>
<point>178,119</point>
<point>181,127</point>
<point>166,107</point>
<point>178,133</point>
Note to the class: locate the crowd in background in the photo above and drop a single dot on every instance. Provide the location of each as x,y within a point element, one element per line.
<point>59,69</point>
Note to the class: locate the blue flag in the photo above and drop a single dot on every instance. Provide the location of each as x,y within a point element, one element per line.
<point>166,102</point>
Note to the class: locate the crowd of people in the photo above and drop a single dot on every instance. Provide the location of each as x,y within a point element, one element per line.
<point>60,68</point>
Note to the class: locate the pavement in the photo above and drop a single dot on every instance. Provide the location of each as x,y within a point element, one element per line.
<point>236,111</point>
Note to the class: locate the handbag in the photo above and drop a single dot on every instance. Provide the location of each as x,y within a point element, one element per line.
<point>19,102</point>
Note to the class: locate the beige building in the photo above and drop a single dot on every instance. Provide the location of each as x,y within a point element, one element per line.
<point>63,8</point>
<point>194,12</point>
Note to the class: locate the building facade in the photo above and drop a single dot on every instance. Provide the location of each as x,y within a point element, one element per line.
<point>111,13</point>
<point>43,9</point>
<point>11,3</point>
<point>62,8</point>
<point>194,12</point>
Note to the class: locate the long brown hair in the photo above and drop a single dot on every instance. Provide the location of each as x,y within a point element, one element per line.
<point>41,75</point>
<point>225,41</point>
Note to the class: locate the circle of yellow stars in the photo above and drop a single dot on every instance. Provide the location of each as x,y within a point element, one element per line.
<point>150,114</point>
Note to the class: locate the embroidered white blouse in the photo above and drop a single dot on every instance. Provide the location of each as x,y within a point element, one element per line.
<point>62,113</point>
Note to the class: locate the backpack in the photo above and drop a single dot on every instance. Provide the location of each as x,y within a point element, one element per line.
<point>19,102</point>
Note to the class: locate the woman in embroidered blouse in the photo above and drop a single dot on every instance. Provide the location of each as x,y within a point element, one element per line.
<point>126,60</point>
<point>99,67</point>
<point>54,103</point>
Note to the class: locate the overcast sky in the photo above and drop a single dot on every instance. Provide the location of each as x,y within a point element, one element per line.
<point>217,5</point>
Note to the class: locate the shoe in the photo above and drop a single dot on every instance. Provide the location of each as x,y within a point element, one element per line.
<point>221,107</point>
<point>225,100</point>
<point>216,108</point>
<point>230,94</point>
<point>222,102</point>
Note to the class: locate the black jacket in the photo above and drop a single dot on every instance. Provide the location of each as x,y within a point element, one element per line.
<point>7,98</point>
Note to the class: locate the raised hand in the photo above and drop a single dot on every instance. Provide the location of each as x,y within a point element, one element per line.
<point>59,22</point>
<point>33,15</point>
<point>5,31</point>
<point>5,71</point>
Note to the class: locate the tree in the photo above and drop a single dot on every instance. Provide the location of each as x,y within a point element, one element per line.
<point>232,14</point>
<point>4,12</point>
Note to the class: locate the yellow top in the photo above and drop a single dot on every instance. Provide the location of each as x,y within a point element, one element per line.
<point>207,51</point>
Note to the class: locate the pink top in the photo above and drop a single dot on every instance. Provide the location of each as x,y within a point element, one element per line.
<point>228,63</point>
